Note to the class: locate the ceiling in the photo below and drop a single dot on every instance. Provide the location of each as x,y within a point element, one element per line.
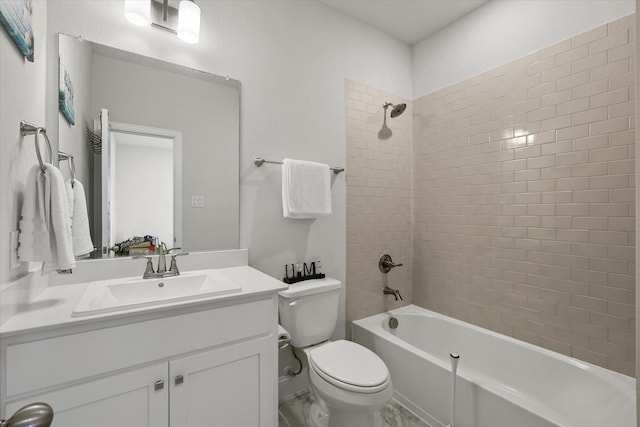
<point>407,20</point>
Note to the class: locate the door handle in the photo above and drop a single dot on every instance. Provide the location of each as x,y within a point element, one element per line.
<point>159,385</point>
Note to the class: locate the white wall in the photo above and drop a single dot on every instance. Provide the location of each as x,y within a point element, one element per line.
<point>501,31</point>
<point>22,97</point>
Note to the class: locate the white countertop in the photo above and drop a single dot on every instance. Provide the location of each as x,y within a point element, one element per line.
<point>52,308</point>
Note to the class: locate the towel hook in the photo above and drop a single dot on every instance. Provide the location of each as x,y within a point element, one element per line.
<point>29,129</point>
<point>62,156</point>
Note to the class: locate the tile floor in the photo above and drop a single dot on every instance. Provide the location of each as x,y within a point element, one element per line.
<point>293,411</point>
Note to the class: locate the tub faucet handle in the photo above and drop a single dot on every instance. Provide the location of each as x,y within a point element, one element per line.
<point>385,263</point>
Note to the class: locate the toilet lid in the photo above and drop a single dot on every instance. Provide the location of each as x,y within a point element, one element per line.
<point>347,363</point>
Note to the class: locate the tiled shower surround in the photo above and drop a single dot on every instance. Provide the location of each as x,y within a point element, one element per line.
<point>378,200</point>
<point>523,198</point>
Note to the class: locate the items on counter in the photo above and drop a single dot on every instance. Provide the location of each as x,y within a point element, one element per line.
<point>136,246</point>
<point>300,271</point>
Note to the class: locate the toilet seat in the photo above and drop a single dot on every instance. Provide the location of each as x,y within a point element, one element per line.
<point>350,366</point>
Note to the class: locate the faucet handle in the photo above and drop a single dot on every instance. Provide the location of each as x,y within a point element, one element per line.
<point>174,265</point>
<point>149,268</point>
<point>385,263</point>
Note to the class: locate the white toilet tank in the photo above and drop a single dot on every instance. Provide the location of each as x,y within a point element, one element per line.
<point>309,310</point>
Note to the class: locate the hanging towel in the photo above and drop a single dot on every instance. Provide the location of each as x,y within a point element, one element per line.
<point>45,226</point>
<point>77,204</point>
<point>34,233</point>
<point>306,189</point>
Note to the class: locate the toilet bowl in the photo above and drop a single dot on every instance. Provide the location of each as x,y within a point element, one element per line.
<point>349,382</point>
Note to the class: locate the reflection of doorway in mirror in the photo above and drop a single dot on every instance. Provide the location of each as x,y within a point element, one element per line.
<point>142,190</point>
<point>143,177</point>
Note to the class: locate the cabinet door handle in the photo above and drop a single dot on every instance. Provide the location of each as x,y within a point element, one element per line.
<point>159,385</point>
<point>179,380</point>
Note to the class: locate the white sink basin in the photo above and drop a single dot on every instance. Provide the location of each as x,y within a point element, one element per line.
<point>122,294</point>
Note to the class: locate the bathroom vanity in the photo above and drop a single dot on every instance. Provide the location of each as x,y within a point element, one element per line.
<point>207,361</point>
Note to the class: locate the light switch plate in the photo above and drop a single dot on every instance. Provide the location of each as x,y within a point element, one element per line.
<point>15,262</point>
<point>197,201</point>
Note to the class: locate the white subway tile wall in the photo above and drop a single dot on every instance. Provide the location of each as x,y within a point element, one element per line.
<point>523,199</point>
<point>378,200</point>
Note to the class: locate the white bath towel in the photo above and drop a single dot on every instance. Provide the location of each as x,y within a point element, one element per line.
<point>81,236</point>
<point>45,226</point>
<point>306,189</point>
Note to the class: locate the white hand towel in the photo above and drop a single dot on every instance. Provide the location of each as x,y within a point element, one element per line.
<point>62,257</point>
<point>34,233</point>
<point>306,189</point>
<point>45,226</point>
<point>82,243</point>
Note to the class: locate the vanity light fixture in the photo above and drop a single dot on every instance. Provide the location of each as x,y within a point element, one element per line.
<point>138,12</point>
<point>184,21</point>
<point>189,22</point>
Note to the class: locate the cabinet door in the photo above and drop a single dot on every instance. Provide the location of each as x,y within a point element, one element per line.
<point>125,400</point>
<point>232,386</point>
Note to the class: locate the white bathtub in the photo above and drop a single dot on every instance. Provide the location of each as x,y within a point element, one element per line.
<point>502,382</point>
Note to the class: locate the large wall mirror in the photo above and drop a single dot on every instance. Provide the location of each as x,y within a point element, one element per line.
<point>167,161</point>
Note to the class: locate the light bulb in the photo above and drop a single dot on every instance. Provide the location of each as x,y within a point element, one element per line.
<point>189,22</point>
<point>138,12</point>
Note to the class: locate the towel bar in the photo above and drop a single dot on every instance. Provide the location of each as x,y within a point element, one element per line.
<point>259,161</point>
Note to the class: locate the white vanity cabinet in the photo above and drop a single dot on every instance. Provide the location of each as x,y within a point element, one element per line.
<point>202,366</point>
<point>222,387</point>
<point>127,399</point>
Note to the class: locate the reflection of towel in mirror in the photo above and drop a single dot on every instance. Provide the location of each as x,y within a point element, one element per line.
<point>45,227</point>
<point>82,244</point>
<point>306,189</point>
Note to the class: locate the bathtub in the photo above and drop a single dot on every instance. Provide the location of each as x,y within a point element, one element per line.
<point>501,382</point>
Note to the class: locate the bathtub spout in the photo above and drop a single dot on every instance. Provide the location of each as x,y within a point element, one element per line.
<point>395,292</point>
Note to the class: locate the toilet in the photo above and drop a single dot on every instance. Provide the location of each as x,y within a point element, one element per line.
<point>350,383</point>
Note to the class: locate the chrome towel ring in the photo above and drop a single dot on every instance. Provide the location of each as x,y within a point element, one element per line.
<point>29,129</point>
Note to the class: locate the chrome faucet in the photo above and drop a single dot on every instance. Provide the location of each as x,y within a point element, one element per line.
<point>149,273</point>
<point>395,292</point>
<point>162,261</point>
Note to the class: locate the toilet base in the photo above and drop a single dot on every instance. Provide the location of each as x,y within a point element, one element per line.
<point>317,416</point>
<point>321,416</point>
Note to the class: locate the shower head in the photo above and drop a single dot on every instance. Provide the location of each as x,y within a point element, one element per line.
<point>396,110</point>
